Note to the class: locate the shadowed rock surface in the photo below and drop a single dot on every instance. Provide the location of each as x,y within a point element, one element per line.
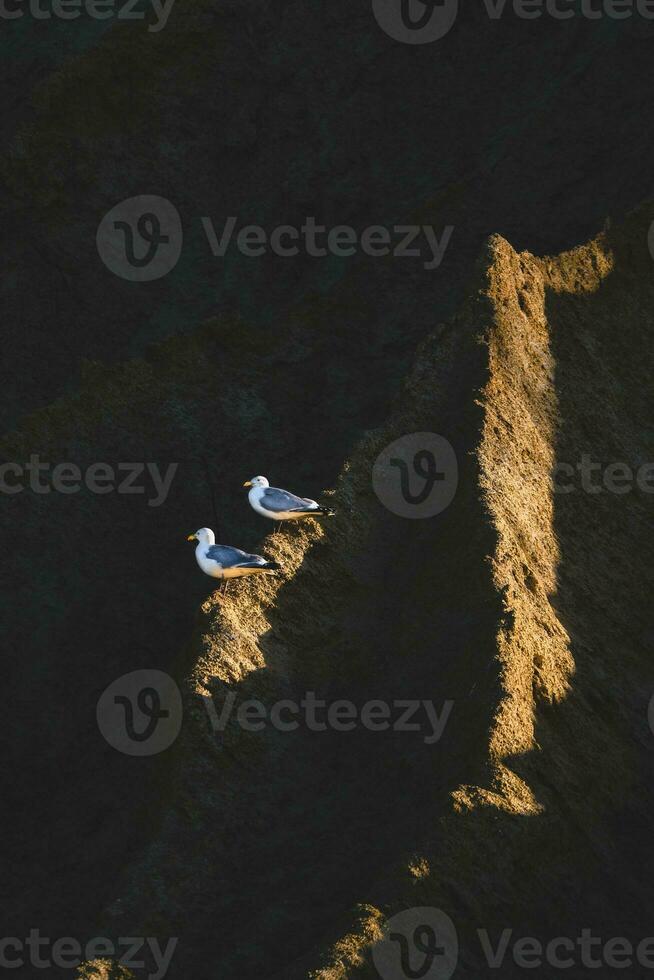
<point>279,854</point>
<point>526,606</point>
<point>263,111</point>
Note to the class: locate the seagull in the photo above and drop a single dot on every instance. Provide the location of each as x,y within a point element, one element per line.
<point>224,562</point>
<point>280,505</point>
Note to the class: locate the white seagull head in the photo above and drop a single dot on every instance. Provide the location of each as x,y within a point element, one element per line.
<point>257,481</point>
<point>204,536</point>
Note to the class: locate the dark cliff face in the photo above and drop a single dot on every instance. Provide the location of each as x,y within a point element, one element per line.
<point>272,113</point>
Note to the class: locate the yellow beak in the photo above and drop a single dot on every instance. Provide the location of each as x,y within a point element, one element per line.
<point>248,483</point>
<point>191,537</point>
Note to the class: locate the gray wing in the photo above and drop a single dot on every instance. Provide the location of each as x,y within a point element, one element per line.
<point>280,500</point>
<point>233,557</point>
